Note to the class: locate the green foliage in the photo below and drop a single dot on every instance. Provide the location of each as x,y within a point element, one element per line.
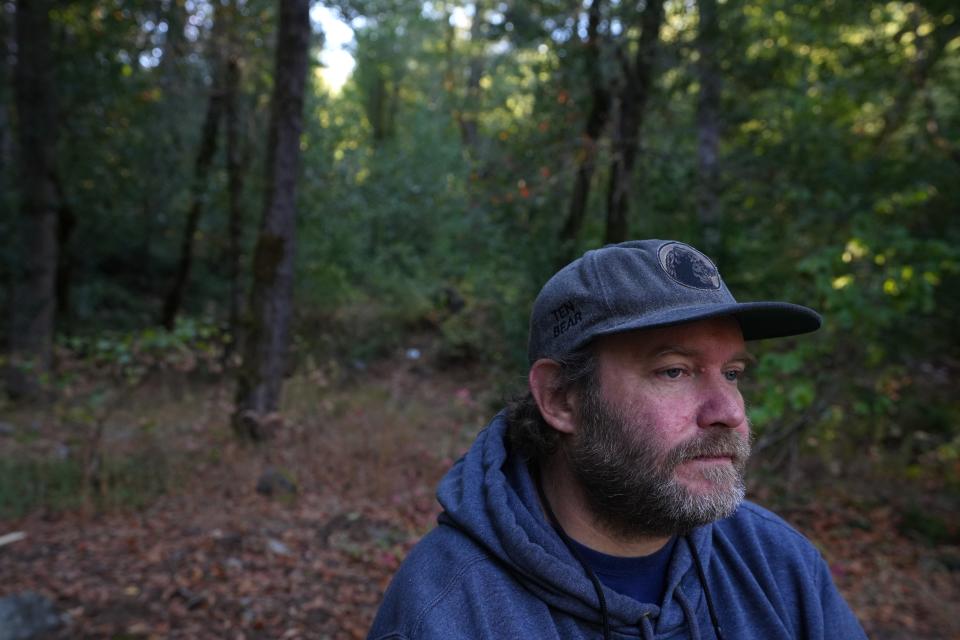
<point>839,184</point>
<point>192,345</point>
<point>393,236</point>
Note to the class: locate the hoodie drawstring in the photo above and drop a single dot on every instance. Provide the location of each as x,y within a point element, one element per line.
<point>604,616</point>
<point>647,627</point>
<point>688,614</point>
<point>706,590</point>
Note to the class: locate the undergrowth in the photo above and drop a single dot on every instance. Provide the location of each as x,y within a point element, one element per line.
<point>130,481</point>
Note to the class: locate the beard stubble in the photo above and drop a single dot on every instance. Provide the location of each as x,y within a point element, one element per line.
<point>629,478</point>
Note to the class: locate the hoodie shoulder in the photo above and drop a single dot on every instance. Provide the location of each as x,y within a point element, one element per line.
<point>428,576</point>
<point>449,587</point>
<point>766,522</point>
<point>759,536</point>
<point>773,572</point>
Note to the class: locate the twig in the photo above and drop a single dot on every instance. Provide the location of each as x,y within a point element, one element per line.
<point>9,538</point>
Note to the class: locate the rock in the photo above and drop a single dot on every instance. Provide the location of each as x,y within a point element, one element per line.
<point>278,548</point>
<point>274,483</point>
<point>28,616</point>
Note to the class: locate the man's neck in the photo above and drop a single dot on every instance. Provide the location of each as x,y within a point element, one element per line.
<point>569,505</point>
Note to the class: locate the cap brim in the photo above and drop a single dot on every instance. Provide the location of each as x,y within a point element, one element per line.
<point>758,320</point>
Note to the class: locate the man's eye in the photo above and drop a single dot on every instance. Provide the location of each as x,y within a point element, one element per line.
<point>672,373</point>
<point>733,375</point>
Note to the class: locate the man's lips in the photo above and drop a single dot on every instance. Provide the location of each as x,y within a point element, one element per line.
<point>722,457</point>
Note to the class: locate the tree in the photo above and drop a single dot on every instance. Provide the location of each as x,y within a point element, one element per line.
<point>260,380</point>
<point>708,128</point>
<point>33,303</point>
<point>381,58</point>
<point>596,123</point>
<point>632,97</point>
<point>467,114</point>
<point>6,116</point>
<point>205,154</point>
<point>236,164</point>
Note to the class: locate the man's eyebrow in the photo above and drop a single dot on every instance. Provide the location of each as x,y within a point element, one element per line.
<point>672,350</point>
<point>676,350</point>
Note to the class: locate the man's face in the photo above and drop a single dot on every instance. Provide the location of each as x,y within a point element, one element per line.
<point>662,438</point>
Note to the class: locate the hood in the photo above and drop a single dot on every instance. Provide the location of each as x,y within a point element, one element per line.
<point>491,497</point>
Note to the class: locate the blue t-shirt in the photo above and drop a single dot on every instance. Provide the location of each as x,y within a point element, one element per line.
<point>642,578</point>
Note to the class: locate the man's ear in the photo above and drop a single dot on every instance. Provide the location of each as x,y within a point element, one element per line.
<point>556,405</point>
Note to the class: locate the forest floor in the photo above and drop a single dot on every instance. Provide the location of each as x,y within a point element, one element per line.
<point>213,558</point>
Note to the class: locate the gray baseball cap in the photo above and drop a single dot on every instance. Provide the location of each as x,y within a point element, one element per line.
<point>644,284</point>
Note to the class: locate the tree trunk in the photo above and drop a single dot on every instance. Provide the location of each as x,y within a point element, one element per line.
<point>379,106</point>
<point>175,44</point>
<point>631,103</point>
<point>33,304</point>
<point>7,150</point>
<point>467,114</point>
<point>596,122</point>
<point>708,130</point>
<point>266,342</point>
<point>66,224</point>
<point>208,147</point>
<point>160,184</point>
<point>234,199</point>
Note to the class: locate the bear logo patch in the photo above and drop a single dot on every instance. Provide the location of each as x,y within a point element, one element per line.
<point>688,266</point>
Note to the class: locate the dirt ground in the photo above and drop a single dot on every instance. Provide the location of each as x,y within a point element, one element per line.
<point>213,558</point>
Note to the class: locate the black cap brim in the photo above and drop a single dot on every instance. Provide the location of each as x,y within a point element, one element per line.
<point>758,320</point>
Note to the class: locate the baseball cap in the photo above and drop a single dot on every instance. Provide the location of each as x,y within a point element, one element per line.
<point>642,284</point>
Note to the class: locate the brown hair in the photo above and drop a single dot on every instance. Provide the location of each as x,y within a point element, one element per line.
<point>528,433</point>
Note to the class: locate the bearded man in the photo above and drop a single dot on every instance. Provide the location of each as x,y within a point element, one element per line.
<point>609,501</point>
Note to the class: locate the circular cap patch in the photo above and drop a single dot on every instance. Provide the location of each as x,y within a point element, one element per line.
<point>688,266</point>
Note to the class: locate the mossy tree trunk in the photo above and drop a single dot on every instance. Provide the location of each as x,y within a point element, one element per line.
<point>266,341</point>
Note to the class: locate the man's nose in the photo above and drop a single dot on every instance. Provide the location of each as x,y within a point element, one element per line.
<point>722,404</point>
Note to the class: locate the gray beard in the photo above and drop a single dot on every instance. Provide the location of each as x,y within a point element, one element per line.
<point>629,482</point>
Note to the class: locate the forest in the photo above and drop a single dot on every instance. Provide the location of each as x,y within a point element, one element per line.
<point>255,303</point>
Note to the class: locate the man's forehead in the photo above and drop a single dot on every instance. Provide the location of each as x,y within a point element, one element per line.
<point>691,338</point>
